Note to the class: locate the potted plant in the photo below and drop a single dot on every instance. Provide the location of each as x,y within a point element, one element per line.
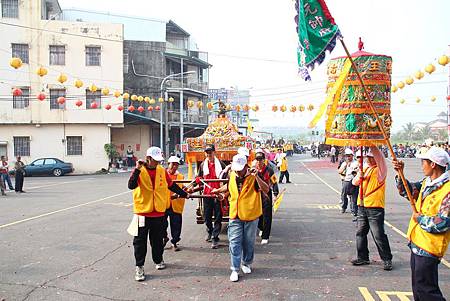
<point>112,154</point>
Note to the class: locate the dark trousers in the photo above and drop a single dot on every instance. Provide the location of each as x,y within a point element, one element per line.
<point>130,161</point>
<point>175,220</point>
<point>265,220</point>
<point>372,219</point>
<point>7,180</point>
<point>349,193</point>
<point>424,278</point>
<point>153,230</point>
<point>19,182</point>
<point>284,174</point>
<point>212,206</point>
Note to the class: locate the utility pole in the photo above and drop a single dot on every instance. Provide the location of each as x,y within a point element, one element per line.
<point>182,103</point>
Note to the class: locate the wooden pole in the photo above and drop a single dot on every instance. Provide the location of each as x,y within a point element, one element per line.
<point>380,125</point>
<point>361,168</point>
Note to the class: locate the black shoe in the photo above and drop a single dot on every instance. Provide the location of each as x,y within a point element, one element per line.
<point>387,265</point>
<point>355,219</point>
<point>359,261</point>
<point>215,244</point>
<point>165,240</point>
<point>343,210</point>
<point>208,238</point>
<point>22,191</point>
<point>289,182</point>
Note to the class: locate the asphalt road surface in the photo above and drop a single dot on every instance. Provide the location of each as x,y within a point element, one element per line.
<point>66,239</point>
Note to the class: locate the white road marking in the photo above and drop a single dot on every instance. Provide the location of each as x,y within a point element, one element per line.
<point>62,210</point>
<point>398,231</point>
<point>58,183</point>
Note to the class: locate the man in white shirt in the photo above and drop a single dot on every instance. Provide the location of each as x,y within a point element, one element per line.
<point>348,170</point>
<point>333,154</point>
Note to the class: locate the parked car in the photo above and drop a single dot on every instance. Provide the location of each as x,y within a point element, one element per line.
<point>48,166</point>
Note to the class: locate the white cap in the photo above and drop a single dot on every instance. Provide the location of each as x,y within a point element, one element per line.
<point>243,151</point>
<point>369,153</point>
<point>174,159</point>
<point>239,162</point>
<point>348,151</point>
<point>259,151</point>
<point>436,155</point>
<point>358,153</point>
<point>155,153</point>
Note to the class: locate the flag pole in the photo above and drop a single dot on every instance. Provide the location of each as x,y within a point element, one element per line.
<point>380,125</point>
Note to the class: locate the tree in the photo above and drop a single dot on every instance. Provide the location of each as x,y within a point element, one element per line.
<point>425,133</point>
<point>111,152</point>
<point>442,135</point>
<point>409,131</point>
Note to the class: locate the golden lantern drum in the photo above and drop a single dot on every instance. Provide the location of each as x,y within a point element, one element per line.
<point>199,104</point>
<point>171,99</point>
<point>134,97</point>
<point>146,99</point>
<point>401,85</point>
<point>190,103</point>
<point>228,107</point>
<point>255,108</point>
<point>430,68</point>
<point>274,108</point>
<point>301,108</point>
<point>93,88</point>
<point>351,121</point>
<point>402,101</point>
<point>78,83</point>
<point>246,108</point>
<point>237,108</point>
<point>16,63</point>
<point>160,100</point>
<point>394,89</point>
<point>443,60</point>
<point>417,100</point>
<point>210,105</point>
<point>419,75</point>
<point>117,94</point>
<point>62,78</point>
<point>433,98</point>
<point>41,71</point>
<point>105,91</point>
<point>293,109</point>
<point>409,80</point>
<point>283,108</point>
<point>140,98</point>
<point>152,101</point>
<point>126,96</point>
<point>310,107</point>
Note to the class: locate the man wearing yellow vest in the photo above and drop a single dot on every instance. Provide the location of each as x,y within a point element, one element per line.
<point>283,166</point>
<point>175,213</point>
<point>371,209</point>
<point>429,228</point>
<point>244,189</point>
<point>151,198</point>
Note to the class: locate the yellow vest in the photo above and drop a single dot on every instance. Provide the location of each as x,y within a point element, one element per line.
<point>247,205</point>
<point>434,243</point>
<point>146,198</point>
<point>373,191</point>
<point>177,204</point>
<point>284,164</point>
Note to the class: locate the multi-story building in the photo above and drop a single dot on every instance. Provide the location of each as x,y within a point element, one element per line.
<point>233,97</point>
<point>35,31</point>
<point>160,61</point>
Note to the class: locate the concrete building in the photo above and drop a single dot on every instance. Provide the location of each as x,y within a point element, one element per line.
<point>233,97</point>
<point>160,61</point>
<point>35,31</point>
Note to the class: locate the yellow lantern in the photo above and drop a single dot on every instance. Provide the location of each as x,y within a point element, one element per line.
<point>140,98</point>
<point>41,71</point>
<point>16,63</point>
<point>409,80</point>
<point>199,104</point>
<point>210,105</point>
<point>443,60</point>
<point>152,101</point>
<point>134,97</point>
<point>394,89</point>
<point>171,99</point>
<point>126,96</point>
<point>402,101</point>
<point>62,78</point>
<point>255,108</point>
<point>190,103</point>
<point>283,108</point>
<point>401,85</point>
<point>246,108</point>
<point>78,83</point>
<point>430,68</point>
<point>160,100</point>
<point>116,94</point>
<point>147,99</point>
<point>105,91</point>
<point>310,107</point>
<point>433,98</point>
<point>419,75</point>
<point>301,108</point>
<point>237,108</point>
<point>93,88</point>
<point>418,100</point>
<point>228,107</point>
<point>293,109</point>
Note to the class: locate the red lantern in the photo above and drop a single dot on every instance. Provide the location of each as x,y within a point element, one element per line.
<point>157,108</point>
<point>41,96</point>
<point>79,103</point>
<point>130,108</point>
<point>274,108</point>
<point>94,105</point>
<point>61,100</point>
<point>17,92</point>
<point>150,108</point>
<point>120,108</point>
<point>141,109</point>
<point>108,107</point>
<point>448,97</point>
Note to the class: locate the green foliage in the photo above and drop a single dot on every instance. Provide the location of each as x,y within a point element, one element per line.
<point>111,151</point>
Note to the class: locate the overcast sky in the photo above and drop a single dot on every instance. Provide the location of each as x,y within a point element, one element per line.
<point>252,44</point>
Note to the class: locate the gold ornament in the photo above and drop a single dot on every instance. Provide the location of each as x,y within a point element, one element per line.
<point>160,100</point>
<point>443,60</point>
<point>78,83</point>
<point>41,71</point>
<point>394,89</point>
<point>430,68</point>
<point>401,85</point>
<point>62,78</point>
<point>93,88</point>
<point>171,99</point>
<point>409,80</point>
<point>134,97</point>
<point>419,75</point>
<point>152,101</point>
<point>16,63</point>
<point>147,99</point>
<point>126,96</point>
<point>140,98</point>
<point>105,91</point>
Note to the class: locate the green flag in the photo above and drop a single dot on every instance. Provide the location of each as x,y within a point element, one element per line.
<point>317,33</point>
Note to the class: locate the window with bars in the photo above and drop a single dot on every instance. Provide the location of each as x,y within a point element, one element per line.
<point>57,55</point>
<point>125,63</point>
<point>74,145</point>
<point>20,51</point>
<point>23,101</point>
<point>10,9</point>
<point>93,55</point>
<point>93,97</point>
<point>54,95</point>
<point>22,146</point>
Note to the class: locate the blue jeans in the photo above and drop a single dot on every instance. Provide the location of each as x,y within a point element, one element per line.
<point>7,178</point>
<point>241,236</point>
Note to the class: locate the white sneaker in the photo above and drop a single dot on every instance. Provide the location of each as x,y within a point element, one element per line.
<point>264,241</point>
<point>161,266</point>
<point>260,233</point>
<point>139,276</point>
<point>234,277</point>
<point>246,269</point>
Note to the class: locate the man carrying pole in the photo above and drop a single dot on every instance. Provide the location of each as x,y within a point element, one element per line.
<point>429,228</point>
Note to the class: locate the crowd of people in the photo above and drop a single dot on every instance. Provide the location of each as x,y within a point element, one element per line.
<point>5,175</point>
<point>249,186</point>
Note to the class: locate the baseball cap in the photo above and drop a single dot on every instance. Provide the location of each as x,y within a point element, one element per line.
<point>174,159</point>
<point>239,162</point>
<point>243,151</point>
<point>348,151</point>
<point>155,153</point>
<point>436,155</point>
<point>210,148</point>
<point>259,151</point>
<point>369,153</point>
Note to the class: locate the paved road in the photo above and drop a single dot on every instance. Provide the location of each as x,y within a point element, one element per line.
<point>65,239</point>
